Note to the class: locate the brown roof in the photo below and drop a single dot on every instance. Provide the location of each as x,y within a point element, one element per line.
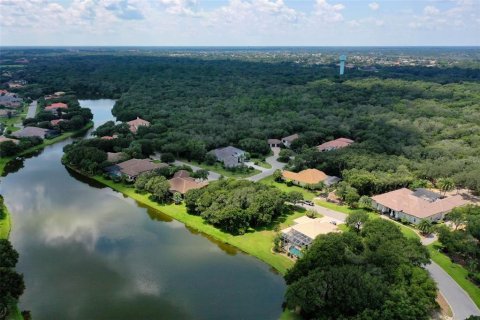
<point>181,174</point>
<point>309,176</point>
<point>3,139</point>
<point>134,167</point>
<point>274,141</point>
<point>56,121</point>
<point>57,105</point>
<point>134,124</point>
<point>405,201</point>
<point>184,184</point>
<point>291,138</point>
<point>335,144</point>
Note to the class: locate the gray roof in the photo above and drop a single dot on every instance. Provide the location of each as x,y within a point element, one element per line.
<point>426,194</point>
<point>291,138</point>
<point>30,132</point>
<point>223,154</point>
<point>331,180</point>
<point>134,167</point>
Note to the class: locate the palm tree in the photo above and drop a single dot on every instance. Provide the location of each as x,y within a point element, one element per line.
<point>445,185</point>
<point>426,227</point>
<point>177,198</point>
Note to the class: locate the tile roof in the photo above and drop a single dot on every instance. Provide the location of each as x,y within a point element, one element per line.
<point>182,182</point>
<point>30,132</point>
<point>134,167</point>
<point>308,176</point>
<point>135,124</point>
<point>404,200</point>
<point>56,121</point>
<point>291,138</point>
<point>56,105</point>
<point>274,141</point>
<point>335,144</point>
<point>3,139</point>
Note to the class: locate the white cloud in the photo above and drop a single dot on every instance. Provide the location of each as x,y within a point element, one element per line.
<point>431,10</point>
<point>328,12</point>
<point>374,6</point>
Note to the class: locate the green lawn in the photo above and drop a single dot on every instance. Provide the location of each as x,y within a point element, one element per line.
<point>256,243</point>
<point>262,164</point>
<point>46,142</point>
<point>307,195</point>
<point>456,271</point>
<point>290,315</point>
<point>218,168</point>
<point>5,223</point>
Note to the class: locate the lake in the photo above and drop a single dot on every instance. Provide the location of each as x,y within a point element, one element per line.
<point>87,252</point>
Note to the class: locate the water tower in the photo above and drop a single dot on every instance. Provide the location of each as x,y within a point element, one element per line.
<point>342,64</point>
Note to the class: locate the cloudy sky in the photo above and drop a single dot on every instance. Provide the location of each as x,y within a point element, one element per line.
<point>240,22</point>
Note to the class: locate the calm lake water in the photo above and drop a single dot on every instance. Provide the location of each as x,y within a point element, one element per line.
<point>87,252</point>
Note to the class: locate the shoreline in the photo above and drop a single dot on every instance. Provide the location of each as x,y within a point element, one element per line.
<point>248,243</point>
<point>46,142</point>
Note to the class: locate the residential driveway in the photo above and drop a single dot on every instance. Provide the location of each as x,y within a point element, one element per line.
<point>461,304</point>
<point>32,109</point>
<point>212,176</point>
<point>326,212</point>
<point>272,160</point>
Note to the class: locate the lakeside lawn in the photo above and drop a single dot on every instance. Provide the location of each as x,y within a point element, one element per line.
<point>456,271</point>
<point>46,142</point>
<point>257,243</point>
<point>5,223</point>
<point>218,168</point>
<point>307,195</point>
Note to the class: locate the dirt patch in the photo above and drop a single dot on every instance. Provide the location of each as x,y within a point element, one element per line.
<point>445,313</point>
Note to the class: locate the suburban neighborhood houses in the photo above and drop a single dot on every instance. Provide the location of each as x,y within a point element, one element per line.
<point>414,206</point>
<point>182,182</point>
<point>32,132</point>
<point>132,168</point>
<point>335,144</point>
<point>231,157</point>
<point>287,141</point>
<point>137,123</point>
<point>309,177</point>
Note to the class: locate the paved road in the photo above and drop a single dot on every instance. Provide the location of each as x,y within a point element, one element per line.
<point>212,176</point>
<point>32,109</point>
<point>272,160</point>
<point>460,303</point>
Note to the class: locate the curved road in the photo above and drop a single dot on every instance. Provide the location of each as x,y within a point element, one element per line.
<point>272,160</point>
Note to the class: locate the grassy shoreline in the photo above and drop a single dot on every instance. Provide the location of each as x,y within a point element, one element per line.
<point>257,243</point>
<point>5,223</point>
<point>47,142</point>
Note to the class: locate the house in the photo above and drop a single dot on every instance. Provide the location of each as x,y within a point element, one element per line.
<point>4,139</point>
<point>56,121</point>
<point>306,229</point>
<point>287,141</point>
<point>415,206</point>
<point>7,113</point>
<point>231,157</point>
<point>274,143</point>
<point>137,123</point>
<point>335,144</point>
<point>55,106</point>
<point>133,168</point>
<point>182,182</point>
<point>109,137</point>
<point>114,157</point>
<point>309,177</point>
<point>32,132</point>
<point>10,100</point>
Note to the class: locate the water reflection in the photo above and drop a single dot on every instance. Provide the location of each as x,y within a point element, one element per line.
<point>87,252</point>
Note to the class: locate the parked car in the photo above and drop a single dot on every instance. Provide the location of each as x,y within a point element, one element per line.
<point>309,203</point>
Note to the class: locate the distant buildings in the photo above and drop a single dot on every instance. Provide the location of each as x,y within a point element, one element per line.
<point>55,106</point>
<point>343,58</point>
<point>10,99</point>
<point>137,123</point>
<point>414,206</point>
<point>182,182</point>
<point>335,144</point>
<point>309,177</point>
<point>4,139</point>
<point>32,132</point>
<point>231,157</point>
<point>287,141</point>
<point>274,143</point>
<point>132,168</point>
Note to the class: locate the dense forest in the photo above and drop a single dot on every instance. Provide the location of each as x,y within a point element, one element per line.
<point>412,125</point>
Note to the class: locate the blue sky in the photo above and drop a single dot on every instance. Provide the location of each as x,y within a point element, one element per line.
<point>240,22</point>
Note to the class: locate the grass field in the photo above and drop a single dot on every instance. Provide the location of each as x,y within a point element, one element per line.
<point>456,271</point>
<point>46,142</point>
<point>5,223</point>
<point>307,195</point>
<point>217,167</point>
<point>257,243</point>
